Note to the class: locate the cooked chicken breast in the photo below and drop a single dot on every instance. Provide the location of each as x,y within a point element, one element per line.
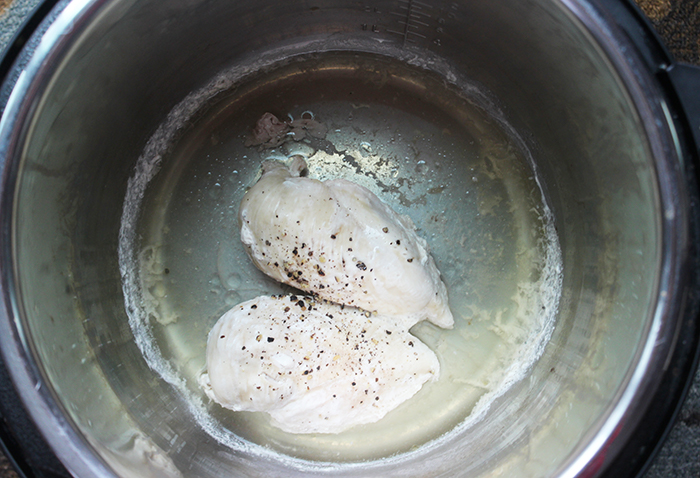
<point>315,367</point>
<point>340,242</point>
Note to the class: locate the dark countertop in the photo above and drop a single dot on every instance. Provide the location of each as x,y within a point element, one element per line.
<point>678,23</point>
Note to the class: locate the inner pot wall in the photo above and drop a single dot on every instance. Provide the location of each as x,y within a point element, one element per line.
<point>119,74</point>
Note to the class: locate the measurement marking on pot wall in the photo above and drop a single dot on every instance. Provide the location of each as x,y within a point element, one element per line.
<point>413,17</point>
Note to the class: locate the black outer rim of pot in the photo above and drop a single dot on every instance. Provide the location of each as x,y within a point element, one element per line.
<point>21,441</point>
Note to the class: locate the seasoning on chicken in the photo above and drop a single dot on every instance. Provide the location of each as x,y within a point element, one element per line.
<point>340,242</point>
<point>315,367</point>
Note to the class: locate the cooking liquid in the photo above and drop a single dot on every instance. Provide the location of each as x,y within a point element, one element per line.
<point>425,150</point>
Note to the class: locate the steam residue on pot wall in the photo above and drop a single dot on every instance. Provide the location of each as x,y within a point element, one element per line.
<point>424,146</point>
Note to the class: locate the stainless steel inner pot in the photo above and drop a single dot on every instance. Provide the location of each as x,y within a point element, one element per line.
<point>102,76</point>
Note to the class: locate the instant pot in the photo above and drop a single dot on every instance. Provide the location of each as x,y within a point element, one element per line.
<point>609,122</point>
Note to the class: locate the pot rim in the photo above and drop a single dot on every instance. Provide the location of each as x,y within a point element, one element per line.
<point>665,322</point>
<point>28,76</point>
